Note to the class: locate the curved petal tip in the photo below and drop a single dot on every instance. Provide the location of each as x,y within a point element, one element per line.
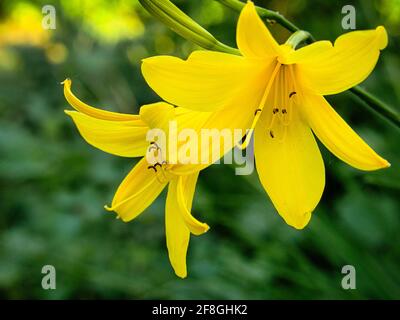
<point>181,274</point>
<point>298,222</point>
<point>67,82</point>
<point>383,37</point>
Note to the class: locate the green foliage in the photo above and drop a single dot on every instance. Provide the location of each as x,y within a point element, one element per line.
<point>54,185</point>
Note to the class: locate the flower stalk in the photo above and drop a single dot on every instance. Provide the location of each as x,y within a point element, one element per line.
<point>269,15</point>
<point>298,37</point>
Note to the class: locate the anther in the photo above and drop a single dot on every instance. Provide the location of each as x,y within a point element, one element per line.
<point>154,146</point>
<point>257,111</point>
<point>152,167</point>
<point>275,110</point>
<point>292,94</point>
<point>157,164</point>
<point>271,133</point>
<point>284,111</point>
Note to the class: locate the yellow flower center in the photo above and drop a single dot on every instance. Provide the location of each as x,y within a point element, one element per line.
<point>281,102</point>
<point>158,163</point>
<point>278,99</point>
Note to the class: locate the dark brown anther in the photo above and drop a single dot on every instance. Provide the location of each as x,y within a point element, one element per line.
<point>154,146</point>
<point>152,167</point>
<point>284,111</point>
<point>275,110</point>
<point>292,94</point>
<point>271,133</point>
<point>157,164</point>
<point>257,111</point>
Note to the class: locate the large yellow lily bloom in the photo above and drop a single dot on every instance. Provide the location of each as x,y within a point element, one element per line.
<point>278,91</point>
<point>125,135</point>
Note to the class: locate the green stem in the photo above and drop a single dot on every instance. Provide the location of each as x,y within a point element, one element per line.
<point>271,16</point>
<point>370,100</point>
<point>298,37</point>
<point>377,105</point>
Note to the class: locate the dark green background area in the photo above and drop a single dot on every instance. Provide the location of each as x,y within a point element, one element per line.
<point>53,185</point>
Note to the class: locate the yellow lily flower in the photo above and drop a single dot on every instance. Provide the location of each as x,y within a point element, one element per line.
<point>125,135</point>
<point>278,91</point>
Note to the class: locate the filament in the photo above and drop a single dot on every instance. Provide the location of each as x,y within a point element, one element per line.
<point>260,108</point>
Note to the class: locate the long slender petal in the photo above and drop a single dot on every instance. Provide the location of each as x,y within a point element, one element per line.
<point>177,230</point>
<point>253,37</point>
<point>291,170</point>
<point>138,190</point>
<point>122,138</point>
<point>185,187</point>
<point>207,80</point>
<point>328,69</point>
<point>337,135</point>
<point>92,111</point>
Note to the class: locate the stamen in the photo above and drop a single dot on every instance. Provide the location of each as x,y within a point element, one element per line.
<point>153,147</point>
<point>157,164</point>
<point>257,111</point>
<point>164,170</point>
<point>288,113</point>
<point>159,180</point>
<point>281,117</point>
<point>261,107</point>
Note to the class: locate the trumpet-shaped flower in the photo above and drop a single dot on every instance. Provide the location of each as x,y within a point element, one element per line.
<point>277,91</point>
<point>125,135</point>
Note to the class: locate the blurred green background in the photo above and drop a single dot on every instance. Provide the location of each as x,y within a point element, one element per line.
<point>54,185</point>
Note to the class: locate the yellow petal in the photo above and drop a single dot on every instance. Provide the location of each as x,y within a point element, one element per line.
<point>91,111</point>
<point>157,115</point>
<point>122,138</point>
<point>185,187</point>
<point>337,135</point>
<point>253,37</point>
<point>330,70</point>
<point>304,54</point>
<point>138,190</point>
<point>221,126</point>
<point>290,168</point>
<point>206,81</point>
<point>177,230</point>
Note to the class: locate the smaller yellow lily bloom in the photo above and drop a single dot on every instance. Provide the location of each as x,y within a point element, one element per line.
<point>277,92</point>
<point>125,135</point>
